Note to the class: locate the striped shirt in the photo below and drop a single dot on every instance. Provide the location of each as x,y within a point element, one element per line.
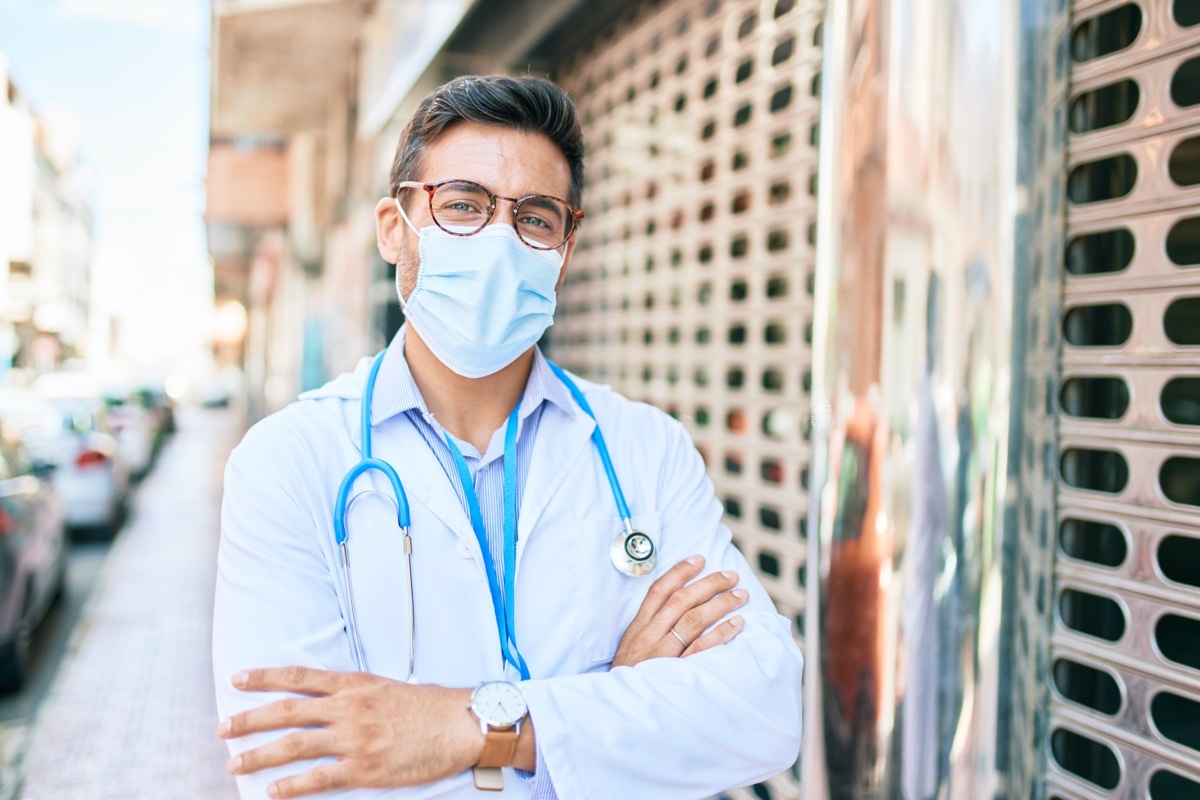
<point>396,393</point>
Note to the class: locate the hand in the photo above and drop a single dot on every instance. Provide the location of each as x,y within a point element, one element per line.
<point>688,609</point>
<point>384,733</point>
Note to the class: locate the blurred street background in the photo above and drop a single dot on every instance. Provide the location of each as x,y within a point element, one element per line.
<point>920,277</point>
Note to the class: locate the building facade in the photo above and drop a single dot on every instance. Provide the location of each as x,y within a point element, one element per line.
<point>45,239</point>
<point>920,279</point>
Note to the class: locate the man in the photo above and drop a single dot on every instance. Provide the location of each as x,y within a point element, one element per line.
<point>577,646</point>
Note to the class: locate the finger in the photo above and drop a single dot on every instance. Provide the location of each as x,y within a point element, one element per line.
<point>721,634</point>
<point>290,712</point>
<point>300,680</point>
<point>699,619</point>
<point>318,779</point>
<point>299,746</point>
<point>663,588</point>
<point>688,597</point>
<point>675,640</point>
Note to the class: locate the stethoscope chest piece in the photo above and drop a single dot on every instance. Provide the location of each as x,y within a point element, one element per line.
<point>633,553</point>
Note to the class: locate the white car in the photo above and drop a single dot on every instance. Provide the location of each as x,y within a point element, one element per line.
<point>136,428</point>
<point>71,434</point>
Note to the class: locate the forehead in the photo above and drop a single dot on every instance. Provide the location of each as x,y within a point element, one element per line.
<point>507,161</point>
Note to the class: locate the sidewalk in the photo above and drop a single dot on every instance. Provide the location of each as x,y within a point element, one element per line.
<point>131,714</point>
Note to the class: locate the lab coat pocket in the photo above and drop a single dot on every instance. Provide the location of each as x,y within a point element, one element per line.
<point>608,598</point>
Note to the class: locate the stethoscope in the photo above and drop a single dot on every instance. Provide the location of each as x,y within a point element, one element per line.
<point>632,552</point>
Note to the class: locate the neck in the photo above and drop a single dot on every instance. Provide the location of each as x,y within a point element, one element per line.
<point>471,409</point>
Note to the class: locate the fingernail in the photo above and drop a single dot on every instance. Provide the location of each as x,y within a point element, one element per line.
<point>729,575</point>
<point>273,790</point>
<point>224,728</point>
<point>740,594</point>
<point>234,764</point>
<point>240,678</point>
<point>737,622</point>
<point>694,560</point>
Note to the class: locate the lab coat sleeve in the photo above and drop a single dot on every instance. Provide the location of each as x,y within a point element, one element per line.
<point>679,728</point>
<point>276,603</point>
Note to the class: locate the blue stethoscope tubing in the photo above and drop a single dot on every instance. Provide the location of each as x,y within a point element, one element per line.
<point>635,547</point>
<point>365,464</point>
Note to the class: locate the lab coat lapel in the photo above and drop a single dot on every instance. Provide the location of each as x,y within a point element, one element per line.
<point>562,439</point>
<point>398,442</point>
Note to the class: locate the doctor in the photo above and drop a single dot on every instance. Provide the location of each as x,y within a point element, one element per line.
<point>525,634</point>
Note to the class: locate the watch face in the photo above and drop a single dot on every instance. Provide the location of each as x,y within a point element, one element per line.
<point>498,703</point>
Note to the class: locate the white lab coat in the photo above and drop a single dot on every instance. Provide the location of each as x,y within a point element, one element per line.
<point>667,728</point>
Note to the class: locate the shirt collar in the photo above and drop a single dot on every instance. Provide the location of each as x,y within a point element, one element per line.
<point>396,392</point>
<point>545,385</point>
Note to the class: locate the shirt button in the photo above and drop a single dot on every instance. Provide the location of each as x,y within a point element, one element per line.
<point>463,550</point>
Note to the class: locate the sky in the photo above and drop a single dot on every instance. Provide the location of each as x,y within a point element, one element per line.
<point>131,78</point>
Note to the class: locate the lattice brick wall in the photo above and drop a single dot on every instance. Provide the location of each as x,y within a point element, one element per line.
<point>691,287</point>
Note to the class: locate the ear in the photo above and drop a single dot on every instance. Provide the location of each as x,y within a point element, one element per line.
<point>562,273</point>
<point>389,230</point>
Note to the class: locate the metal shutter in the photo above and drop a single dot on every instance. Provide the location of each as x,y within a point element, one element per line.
<point>1125,651</point>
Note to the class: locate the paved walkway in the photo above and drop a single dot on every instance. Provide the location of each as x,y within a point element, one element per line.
<point>131,714</point>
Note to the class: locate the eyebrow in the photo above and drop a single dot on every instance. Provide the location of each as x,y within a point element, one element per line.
<point>459,183</point>
<point>462,183</point>
<point>543,201</point>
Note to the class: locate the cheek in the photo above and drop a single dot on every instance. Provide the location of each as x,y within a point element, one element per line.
<point>407,265</point>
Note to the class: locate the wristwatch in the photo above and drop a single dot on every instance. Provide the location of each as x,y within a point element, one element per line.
<point>500,707</point>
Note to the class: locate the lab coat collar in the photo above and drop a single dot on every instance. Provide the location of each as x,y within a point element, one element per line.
<point>396,392</point>
<point>423,476</point>
<point>346,386</point>
<point>564,435</point>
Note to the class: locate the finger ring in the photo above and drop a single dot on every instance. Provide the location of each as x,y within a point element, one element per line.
<point>675,633</point>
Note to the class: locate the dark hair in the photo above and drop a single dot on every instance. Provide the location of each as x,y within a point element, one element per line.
<point>524,103</point>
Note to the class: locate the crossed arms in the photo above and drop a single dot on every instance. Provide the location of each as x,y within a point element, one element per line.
<point>725,714</point>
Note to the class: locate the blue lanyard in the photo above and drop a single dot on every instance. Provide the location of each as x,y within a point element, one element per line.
<point>503,606</point>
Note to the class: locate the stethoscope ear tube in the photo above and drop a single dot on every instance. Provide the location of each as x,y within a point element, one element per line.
<point>347,485</point>
<point>632,552</point>
<point>368,462</point>
<point>358,651</point>
<point>598,438</point>
<point>403,521</point>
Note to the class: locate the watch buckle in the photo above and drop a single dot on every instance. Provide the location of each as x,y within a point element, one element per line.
<point>488,779</point>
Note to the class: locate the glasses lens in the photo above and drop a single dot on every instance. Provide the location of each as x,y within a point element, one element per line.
<point>460,207</point>
<point>543,222</point>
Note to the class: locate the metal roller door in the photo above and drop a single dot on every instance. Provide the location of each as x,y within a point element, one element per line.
<point>691,285</point>
<point>1124,664</point>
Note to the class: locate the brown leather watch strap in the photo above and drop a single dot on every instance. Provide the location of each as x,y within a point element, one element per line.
<point>499,748</point>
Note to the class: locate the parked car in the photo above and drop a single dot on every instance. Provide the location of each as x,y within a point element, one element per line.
<point>132,424</point>
<point>155,399</point>
<point>32,554</point>
<point>72,435</point>
<point>136,427</point>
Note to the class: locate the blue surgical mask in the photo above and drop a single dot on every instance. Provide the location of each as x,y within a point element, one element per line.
<point>481,300</point>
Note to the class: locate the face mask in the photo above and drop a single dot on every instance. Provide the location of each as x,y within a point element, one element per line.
<point>481,300</point>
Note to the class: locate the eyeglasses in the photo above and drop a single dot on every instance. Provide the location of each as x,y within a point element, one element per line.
<point>463,208</point>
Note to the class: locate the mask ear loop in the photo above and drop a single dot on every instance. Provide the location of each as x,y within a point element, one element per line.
<point>404,214</point>
<point>413,228</point>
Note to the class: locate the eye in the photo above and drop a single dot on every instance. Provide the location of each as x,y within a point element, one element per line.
<point>534,221</point>
<point>461,205</point>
